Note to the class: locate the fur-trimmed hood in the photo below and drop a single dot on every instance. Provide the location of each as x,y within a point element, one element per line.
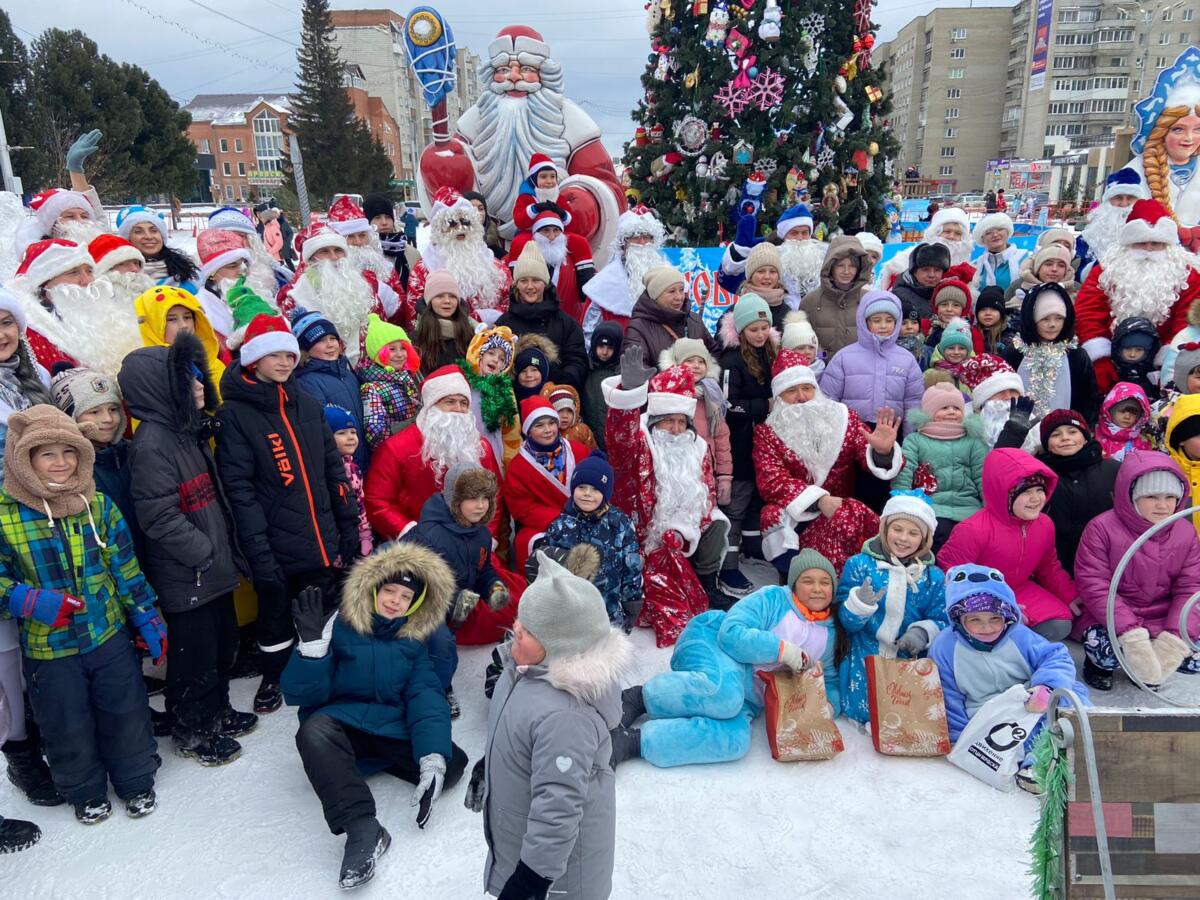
<point>157,384</point>
<point>534,341</point>
<point>358,594</point>
<point>593,677</point>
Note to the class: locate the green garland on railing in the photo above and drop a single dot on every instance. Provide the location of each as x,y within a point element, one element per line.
<point>1054,777</point>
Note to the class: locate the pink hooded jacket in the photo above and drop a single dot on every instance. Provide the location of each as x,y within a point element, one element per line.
<point>1023,551</point>
<point>1161,575</point>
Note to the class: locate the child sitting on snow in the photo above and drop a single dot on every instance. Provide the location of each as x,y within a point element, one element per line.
<point>889,596</point>
<point>1123,416</point>
<point>565,400</point>
<point>987,650</point>
<point>391,381</point>
<point>345,438</point>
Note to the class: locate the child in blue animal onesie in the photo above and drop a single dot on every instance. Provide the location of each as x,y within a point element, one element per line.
<point>701,711</point>
<point>987,650</point>
<point>890,596</point>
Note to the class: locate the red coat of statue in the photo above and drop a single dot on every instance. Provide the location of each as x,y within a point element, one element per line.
<point>399,482</point>
<point>534,497</point>
<point>565,276</point>
<point>791,491</point>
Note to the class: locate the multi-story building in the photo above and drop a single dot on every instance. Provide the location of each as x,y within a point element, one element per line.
<point>943,70</point>
<point>373,40</point>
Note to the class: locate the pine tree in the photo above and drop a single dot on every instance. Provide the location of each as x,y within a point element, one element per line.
<point>14,98</point>
<point>786,94</point>
<point>339,151</point>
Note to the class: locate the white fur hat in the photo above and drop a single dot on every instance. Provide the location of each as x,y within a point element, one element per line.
<point>798,331</point>
<point>991,222</point>
<point>943,217</point>
<point>910,506</point>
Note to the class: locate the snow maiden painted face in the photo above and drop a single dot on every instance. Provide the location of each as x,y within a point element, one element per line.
<point>1182,140</point>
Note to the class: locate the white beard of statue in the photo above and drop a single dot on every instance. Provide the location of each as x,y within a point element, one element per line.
<point>448,439</point>
<point>807,430</point>
<point>336,287</point>
<point>801,261</point>
<point>81,231</point>
<point>994,415</point>
<point>469,261</point>
<point>640,259</point>
<point>1143,282</point>
<point>680,495</point>
<point>513,128</point>
<point>960,251</point>
<point>1104,228</point>
<point>94,324</point>
<point>128,286</point>
<point>371,259</point>
<point>553,251</point>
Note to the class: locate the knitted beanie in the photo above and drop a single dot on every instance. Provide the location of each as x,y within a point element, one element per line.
<point>1060,236</point>
<point>1186,359</point>
<point>763,254</point>
<point>991,297</point>
<point>440,282</point>
<point>914,505</point>
<point>531,264</point>
<point>378,205</point>
<point>951,290</point>
<point>1049,302</point>
<point>1157,481</point>
<point>870,242</point>
<point>939,396</point>
<point>338,418</point>
<point>809,559</point>
<point>1057,418</point>
<point>564,612</point>
<point>658,279</point>
<point>750,308</point>
<point>77,391</point>
<point>595,471</point>
<point>876,302</point>
<point>798,332</point>
<point>956,334</point>
<point>1049,252</point>
<point>380,334</point>
<point>310,327</point>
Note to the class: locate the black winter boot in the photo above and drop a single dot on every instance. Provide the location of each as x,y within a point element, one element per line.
<point>17,835</point>
<point>93,811</point>
<point>29,772</point>
<point>207,749</point>
<point>236,724</point>
<point>626,744</point>
<point>1096,677</point>
<point>268,698</point>
<point>633,706</point>
<point>366,842</point>
<point>717,599</point>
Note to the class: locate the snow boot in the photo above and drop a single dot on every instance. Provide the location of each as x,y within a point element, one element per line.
<point>208,750</point>
<point>1096,677</point>
<point>455,709</point>
<point>734,583</point>
<point>269,698</point>
<point>17,835</point>
<point>717,599</point>
<point>366,842</point>
<point>633,705</point>
<point>626,744</point>
<point>140,805</point>
<point>29,772</point>
<point>236,724</point>
<point>93,811</point>
<point>1026,781</point>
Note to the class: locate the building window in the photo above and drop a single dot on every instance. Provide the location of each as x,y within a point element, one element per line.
<point>1112,83</point>
<point>1168,14</point>
<point>1073,40</point>
<point>947,152</point>
<point>1066,129</point>
<point>951,112</point>
<point>268,143</point>
<point>224,145</point>
<point>1114,35</point>
<point>1165,37</point>
<point>225,170</point>
<point>1123,13</point>
<point>1187,15</point>
<point>956,73</point>
<point>945,170</point>
<point>242,169</point>
<point>1074,108</point>
<point>1118,62</point>
<point>237,145</point>
<point>229,192</point>
<point>953,93</point>
<point>1185,37</point>
<point>1078,15</point>
<point>1160,62</point>
<point>1065,62</point>
<point>1108,106</point>
<point>958,52</point>
<point>204,146</point>
<point>951,132</point>
<point>958,34</point>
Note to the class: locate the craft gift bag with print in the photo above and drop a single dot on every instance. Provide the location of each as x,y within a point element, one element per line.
<point>799,718</point>
<point>908,710</point>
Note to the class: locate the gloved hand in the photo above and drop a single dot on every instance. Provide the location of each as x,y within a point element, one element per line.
<point>747,232</point>
<point>464,605</point>
<point>1171,652</point>
<point>499,597</point>
<point>792,656</point>
<point>429,788</point>
<point>314,629</point>
<point>913,642</point>
<point>533,565</point>
<point>53,608</point>
<point>525,884</point>
<point>1039,699</point>
<point>153,632</point>
<point>1020,412</point>
<point>866,596</point>
<point>85,145</point>
<point>633,373</point>
<point>724,490</point>
<point>672,539</point>
<point>474,799</point>
<point>633,609</point>
<point>1140,658</point>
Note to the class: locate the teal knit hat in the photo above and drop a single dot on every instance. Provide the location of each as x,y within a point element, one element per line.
<point>750,308</point>
<point>956,334</point>
<point>809,559</point>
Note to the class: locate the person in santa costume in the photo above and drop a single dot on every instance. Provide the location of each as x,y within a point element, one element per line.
<point>805,455</point>
<point>665,480</point>
<point>1000,264</point>
<point>1148,275</point>
<point>567,256</point>
<point>453,242</point>
<point>365,253</point>
<point>800,257</point>
<point>121,264</point>
<point>540,187</point>
<point>537,482</point>
<point>1102,232</point>
<point>264,271</point>
<point>948,227</point>
<point>521,111</point>
<point>635,250</point>
<point>409,467</point>
<point>998,399</point>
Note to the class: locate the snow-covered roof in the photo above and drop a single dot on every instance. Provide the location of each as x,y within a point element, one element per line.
<point>231,109</point>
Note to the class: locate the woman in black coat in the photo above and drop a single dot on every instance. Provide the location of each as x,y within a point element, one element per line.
<point>535,310</point>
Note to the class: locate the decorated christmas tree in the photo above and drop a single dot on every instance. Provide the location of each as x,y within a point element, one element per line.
<point>756,105</point>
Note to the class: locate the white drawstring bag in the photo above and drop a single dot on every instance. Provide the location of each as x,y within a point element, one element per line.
<point>991,747</point>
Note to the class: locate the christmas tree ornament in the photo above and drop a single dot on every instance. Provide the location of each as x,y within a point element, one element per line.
<point>845,117</point>
<point>874,94</point>
<point>745,71</point>
<point>766,167</point>
<point>813,174</point>
<point>699,7</point>
<point>656,133</point>
<point>667,11</point>
<point>717,167</point>
<point>750,199</point>
<point>791,179</point>
<point>691,134</point>
<point>767,90</point>
<point>873,148</point>
<point>743,153</point>
<point>737,43</point>
<point>889,167</point>
<point>769,28</point>
<point>831,202</point>
<point>731,99</point>
<point>702,166</point>
<point>839,83</point>
<point>860,160</point>
<point>824,159</point>
<point>691,79</point>
<point>680,193</point>
<point>718,25</point>
<point>640,138</point>
<point>654,16</point>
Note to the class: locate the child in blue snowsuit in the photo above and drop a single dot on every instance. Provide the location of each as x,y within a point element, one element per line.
<point>701,711</point>
<point>987,650</point>
<point>890,596</point>
<point>589,519</point>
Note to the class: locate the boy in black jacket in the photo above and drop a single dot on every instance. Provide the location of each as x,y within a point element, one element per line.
<point>293,508</point>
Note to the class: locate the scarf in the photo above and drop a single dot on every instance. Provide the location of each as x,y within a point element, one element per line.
<point>11,398</point>
<point>447,328</point>
<point>714,398</point>
<point>943,431</point>
<point>497,402</point>
<point>552,458</point>
<point>773,296</point>
<point>1090,454</point>
<point>1046,375</point>
<point>914,568</point>
<point>155,269</point>
<point>810,614</point>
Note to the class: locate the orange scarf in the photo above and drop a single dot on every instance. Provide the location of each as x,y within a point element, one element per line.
<point>809,614</point>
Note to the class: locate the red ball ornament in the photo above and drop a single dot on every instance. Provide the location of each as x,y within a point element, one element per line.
<point>858,45</point>
<point>868,41</point>
<point>844,71</point>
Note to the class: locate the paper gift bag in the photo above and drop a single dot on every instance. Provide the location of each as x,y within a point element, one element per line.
<point>799,718</point>
<point>908,710</point>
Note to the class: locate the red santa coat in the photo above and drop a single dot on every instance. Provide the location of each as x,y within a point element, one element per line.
<point>1094,322</point>
<point>46,352</point>
<point>790,493</point>
<point>399,482</point>
<point>416,293</point>
<point>534,497</point>
<point>566,276</point>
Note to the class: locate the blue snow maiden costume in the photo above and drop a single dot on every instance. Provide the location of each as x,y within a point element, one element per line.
<point>701,711</point>
<point>972,671</point>
<point>911,612</point>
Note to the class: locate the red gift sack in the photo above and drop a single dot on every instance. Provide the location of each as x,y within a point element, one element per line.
<point>908,709</point>
<point>672,594</point>
<point>486,625</point>
<point>799,718</point>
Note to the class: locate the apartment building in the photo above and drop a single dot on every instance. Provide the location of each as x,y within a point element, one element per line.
<point>943,70</point>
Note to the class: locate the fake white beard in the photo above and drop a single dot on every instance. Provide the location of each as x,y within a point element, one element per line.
<point>371,259</point>
<point>994,415</point>
<point>336,287</point>
<point>801,262</point>
<point>513,128</point>
<point>680,495</point>
<point>127,286</point>
<point>471,263</point>
<point>553,251</point>
<point>260,274</point>
<point>447,439</point>
<point>640,259</point>
<point>1103,229</point>
<point>1138,283</point>
<point>807,430</point>
<point>82,232</point>
<point>543,195</point>
<point>95,324</point>
<point>960,251</point>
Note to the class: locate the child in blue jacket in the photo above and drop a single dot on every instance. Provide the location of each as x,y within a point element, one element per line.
<point>890,596</point>
<point>987,650</point>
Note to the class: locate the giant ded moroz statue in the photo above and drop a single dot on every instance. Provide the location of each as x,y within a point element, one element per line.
<point>521,111</point>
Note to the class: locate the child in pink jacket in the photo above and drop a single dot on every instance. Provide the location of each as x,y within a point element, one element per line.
<point>710,411</point>
<point>1012,534</point>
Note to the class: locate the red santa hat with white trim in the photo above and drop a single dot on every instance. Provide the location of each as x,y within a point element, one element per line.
<point>789,370</point>
<point>110,250</point>
<point>445,382</point>
<point>267,334</point>
<point>547,217</point>
<point>49,205</point>
<point>519,42</point>
<point>447,199</point>
<point>1149,221</point>
<point>988,375</point>
<point>540,161</point>
<point>218,248</point>
<point>50,258</point>
<point>534,408</point>
<point>346,217</point>
<point>670,392</point>
<point>318,236</point>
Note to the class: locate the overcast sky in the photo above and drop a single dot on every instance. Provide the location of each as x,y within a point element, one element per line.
<point>604,52</point>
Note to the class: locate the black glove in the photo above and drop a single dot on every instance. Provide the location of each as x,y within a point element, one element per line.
<point>525,884</point>
<point>533,564</point>
<point>474,799</point>
<point>633,373</point>
<point>309,614</point>
<point>1020,412</point>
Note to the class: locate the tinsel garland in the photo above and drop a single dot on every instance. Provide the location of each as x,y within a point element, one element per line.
<point>497,402</point>
<point>1054,777</point>
<point>1044,362</point>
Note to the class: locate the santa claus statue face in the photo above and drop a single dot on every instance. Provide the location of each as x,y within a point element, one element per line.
<point>516,79</point>
<point>458,225</point>
<point>1183,139</point>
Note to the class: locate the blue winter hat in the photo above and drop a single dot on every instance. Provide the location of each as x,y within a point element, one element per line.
<point>595,471</point>
<point>971,588</point>
<point>227,218</point>
<point>794,217</point>
<point>750,308</point>
<point>136,215</point>
<point>880,302</point>
<point>310,327</point>
<point>1124,182</point>
<point>338,418</point>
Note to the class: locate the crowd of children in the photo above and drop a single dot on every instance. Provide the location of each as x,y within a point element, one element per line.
<point>382,498</point>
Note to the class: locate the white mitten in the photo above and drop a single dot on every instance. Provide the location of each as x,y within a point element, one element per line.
<point>1140,657</point>
<point>1171,652</point>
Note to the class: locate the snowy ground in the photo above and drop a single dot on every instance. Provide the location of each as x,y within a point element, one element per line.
<point>858,826</point>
